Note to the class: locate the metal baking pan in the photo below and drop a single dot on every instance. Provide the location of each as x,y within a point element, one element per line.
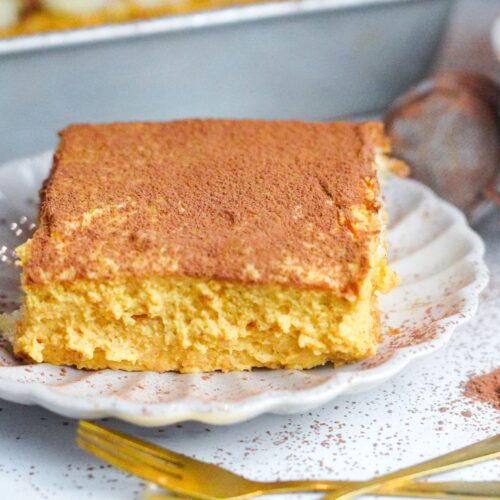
<point>303,59</point>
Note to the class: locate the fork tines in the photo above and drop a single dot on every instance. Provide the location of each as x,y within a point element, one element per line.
<point>131,455</point>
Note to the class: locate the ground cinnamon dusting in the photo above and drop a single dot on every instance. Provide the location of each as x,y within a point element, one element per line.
<point>250,201</point>
<point>485,388</point>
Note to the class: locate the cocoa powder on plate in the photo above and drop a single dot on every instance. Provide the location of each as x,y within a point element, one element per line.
<point>485,388</point>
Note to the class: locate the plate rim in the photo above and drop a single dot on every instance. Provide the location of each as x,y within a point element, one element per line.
<point>275,401</point>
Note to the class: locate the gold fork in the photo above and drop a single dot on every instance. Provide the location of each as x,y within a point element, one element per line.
<point>197,479</point>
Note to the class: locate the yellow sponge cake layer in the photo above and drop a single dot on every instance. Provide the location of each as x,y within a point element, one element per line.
<point>206,245</point>
<point>192,325</point>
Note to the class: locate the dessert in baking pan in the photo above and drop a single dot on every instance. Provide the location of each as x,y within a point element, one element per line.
<point>23,17</point>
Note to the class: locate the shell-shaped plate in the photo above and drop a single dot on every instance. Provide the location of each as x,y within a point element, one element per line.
<point>437,256</point>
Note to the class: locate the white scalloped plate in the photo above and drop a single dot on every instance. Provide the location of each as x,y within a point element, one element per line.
<point>437,255</point>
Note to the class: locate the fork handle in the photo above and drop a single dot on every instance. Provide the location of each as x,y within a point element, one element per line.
<point>454,490</point>
<point>475,453</point>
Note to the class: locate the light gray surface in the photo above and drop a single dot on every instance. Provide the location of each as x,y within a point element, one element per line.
<point>419,414</point>
<point>342,57</point>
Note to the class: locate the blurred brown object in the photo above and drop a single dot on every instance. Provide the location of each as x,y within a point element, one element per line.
<point>447,128</point>
<point>27,6</point>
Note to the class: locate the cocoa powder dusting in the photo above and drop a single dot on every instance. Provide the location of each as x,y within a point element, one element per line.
<point>485,388</point>
<point>250,201</point>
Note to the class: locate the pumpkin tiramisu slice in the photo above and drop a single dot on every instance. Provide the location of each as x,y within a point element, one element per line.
<point>204,245</point>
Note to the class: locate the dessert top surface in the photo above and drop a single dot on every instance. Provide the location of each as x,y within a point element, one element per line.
<point>249,201</point>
